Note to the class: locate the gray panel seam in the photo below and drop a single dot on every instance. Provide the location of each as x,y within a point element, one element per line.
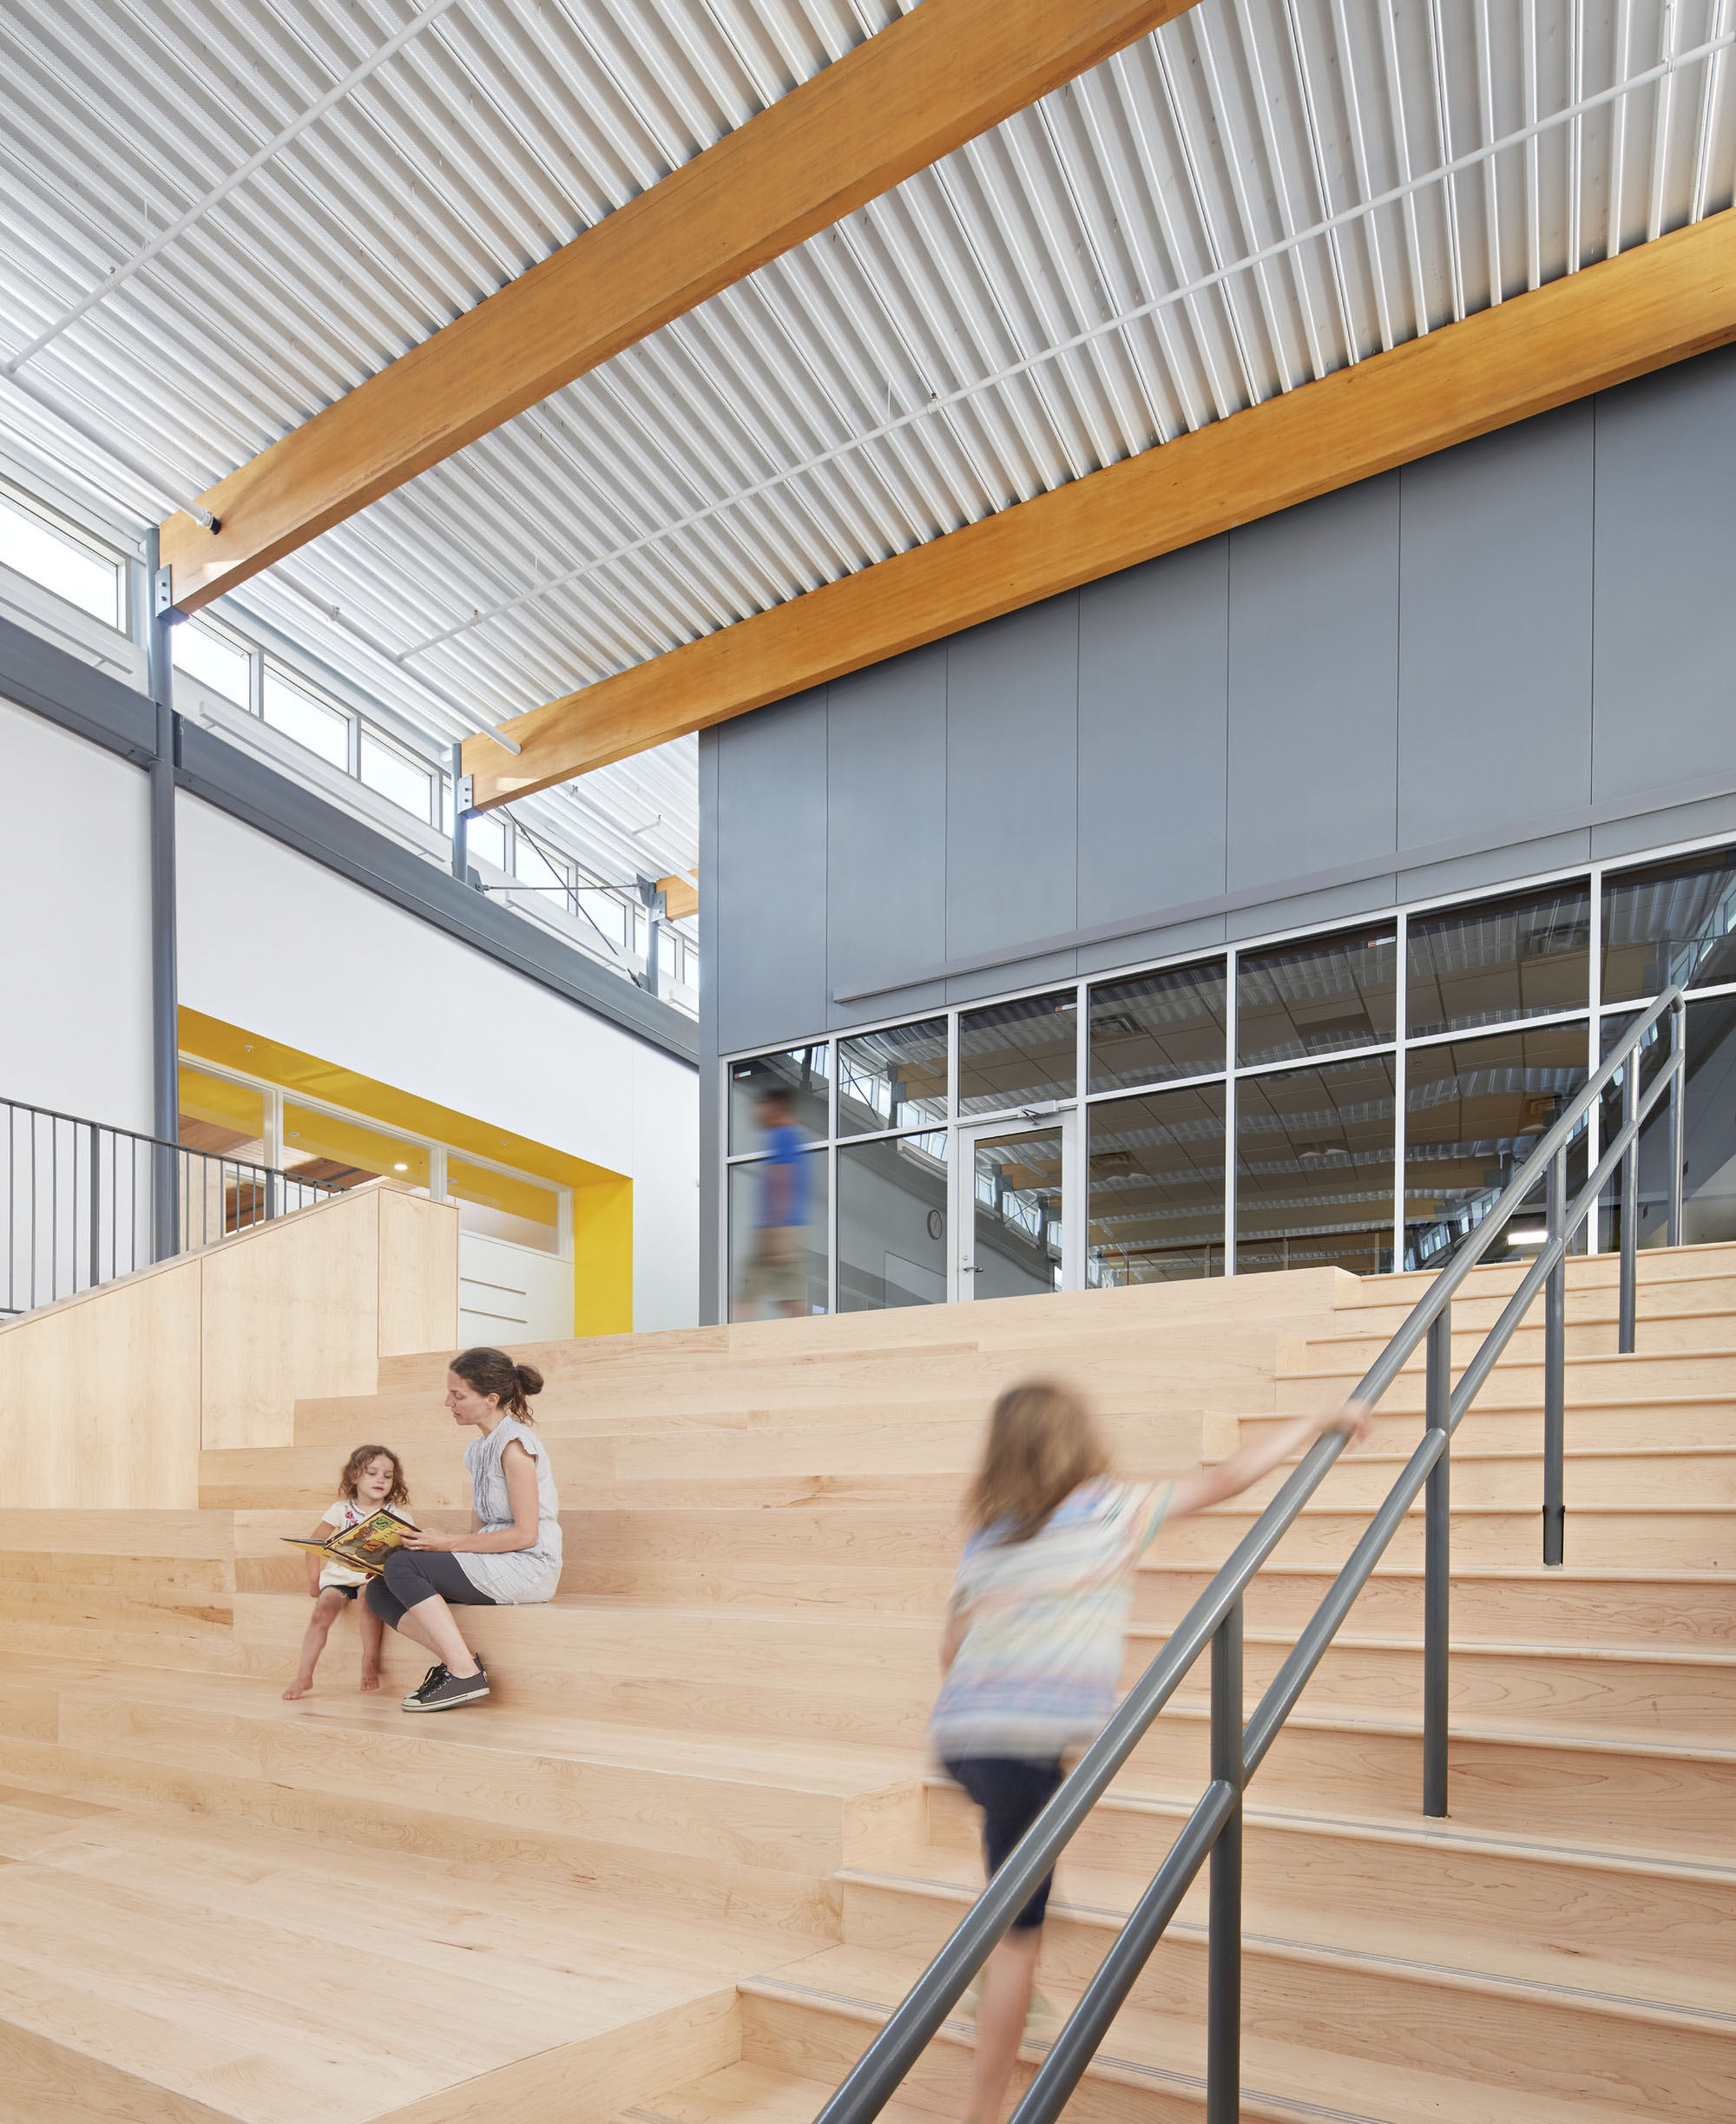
<point>1579,820</point>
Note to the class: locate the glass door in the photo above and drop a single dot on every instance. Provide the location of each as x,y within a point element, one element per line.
<point>1015,1184</point>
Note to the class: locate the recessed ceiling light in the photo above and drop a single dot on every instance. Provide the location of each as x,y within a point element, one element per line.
<point>400,1168</point>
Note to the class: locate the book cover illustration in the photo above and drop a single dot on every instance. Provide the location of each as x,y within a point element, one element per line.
<point>364,1546</point>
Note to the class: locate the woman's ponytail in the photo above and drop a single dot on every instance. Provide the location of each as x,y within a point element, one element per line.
<point>492,1371</point>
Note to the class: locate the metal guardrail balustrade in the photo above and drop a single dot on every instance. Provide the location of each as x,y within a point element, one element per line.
<point>81,1201</point>
<point>1213,1830</point>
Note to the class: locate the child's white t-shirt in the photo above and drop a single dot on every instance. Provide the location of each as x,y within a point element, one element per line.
<point>340,1517</point>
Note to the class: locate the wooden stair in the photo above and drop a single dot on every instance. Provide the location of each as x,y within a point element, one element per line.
<point>691,1853</point>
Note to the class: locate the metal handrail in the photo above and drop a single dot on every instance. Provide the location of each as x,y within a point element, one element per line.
<point>86,1203</point>
<point>1213,1828</point>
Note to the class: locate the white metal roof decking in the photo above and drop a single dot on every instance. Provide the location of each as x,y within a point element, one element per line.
<point>224,222</point>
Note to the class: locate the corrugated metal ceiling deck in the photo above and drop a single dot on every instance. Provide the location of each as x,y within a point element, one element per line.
<point>221,223</point>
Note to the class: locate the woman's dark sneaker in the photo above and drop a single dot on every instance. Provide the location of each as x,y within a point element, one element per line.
<point>435,1674</point>
<point>449,1692</point>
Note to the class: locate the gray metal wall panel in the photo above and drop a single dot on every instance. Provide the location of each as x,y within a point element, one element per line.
<point>1495,630</point>
<point>1313,665</point>
<point>1665,673</point>
<point>1012,772</point>
<point>1586,556</point>
<point>1153,649</point>
<point>769,961</point>
<point>885,875</point>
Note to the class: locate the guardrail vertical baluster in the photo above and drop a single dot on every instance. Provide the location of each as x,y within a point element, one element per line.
<point>1677,1117</point>
<point>1555,1368</point>
<point>1224,1951</point>
<point>96,1205</point>
<point>1437,1567</point>
<point>1630,1205</point>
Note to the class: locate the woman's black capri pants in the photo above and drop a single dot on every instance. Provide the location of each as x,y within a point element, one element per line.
<point>413,1575</point>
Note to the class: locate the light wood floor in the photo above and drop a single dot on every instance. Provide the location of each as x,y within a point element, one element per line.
<point>691,1853</point>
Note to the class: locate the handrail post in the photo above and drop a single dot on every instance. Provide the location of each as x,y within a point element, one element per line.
<point>1554,1367</point>
<point>1677,1116</point>
<point>1630,1204</point>
<point>1224,1950</point>
<point>1438,1567</point>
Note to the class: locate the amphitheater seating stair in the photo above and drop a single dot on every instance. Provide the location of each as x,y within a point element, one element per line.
<point>691,1853</point>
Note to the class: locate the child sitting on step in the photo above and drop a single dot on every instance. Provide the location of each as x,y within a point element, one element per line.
<point>1036,1630</point>
<point>372,1481</point>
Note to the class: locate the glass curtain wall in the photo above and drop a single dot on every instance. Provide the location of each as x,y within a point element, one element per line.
<point>1380,1084</point>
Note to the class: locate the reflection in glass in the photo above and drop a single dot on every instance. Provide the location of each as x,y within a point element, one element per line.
<point>1018,1051</point>
<point>1672,922</point>
<point>1157,1187</point>
<point>1314,1168</point>
<point>1475,1110</point>
<point>1709,1147</point>
<point>777,1238</point>
<point>1016,1213</point>
<point>1316,998</point>
<point>219,1116</point>
<point>892,1222</point>
<point>1167,1024</point>
<point>347,1153</point>
<point>892,1079</point>
<point>502,1206</point>
<point>800,1077</point>
<point>1526,957</point>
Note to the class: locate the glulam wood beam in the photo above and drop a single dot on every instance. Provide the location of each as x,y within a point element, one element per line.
<point>900,101</point>
<point>1655,305</point>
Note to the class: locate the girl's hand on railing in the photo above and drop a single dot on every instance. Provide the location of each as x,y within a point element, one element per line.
<point>1355,1419</point>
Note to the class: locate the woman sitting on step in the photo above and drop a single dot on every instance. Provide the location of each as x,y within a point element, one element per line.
<point>512,1553</point>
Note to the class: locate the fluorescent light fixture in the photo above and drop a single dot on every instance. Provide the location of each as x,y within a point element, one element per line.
<point>1526,1234</point>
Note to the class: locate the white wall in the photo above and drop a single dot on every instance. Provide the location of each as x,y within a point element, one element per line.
<point>74,915</point>
<point>273,942</point>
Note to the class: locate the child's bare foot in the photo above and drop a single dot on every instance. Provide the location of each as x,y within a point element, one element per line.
<point>371,1677</point>
<point>300,1687</point>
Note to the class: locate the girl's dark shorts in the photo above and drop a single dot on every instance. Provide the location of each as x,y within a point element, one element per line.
<point>1011,1794</point>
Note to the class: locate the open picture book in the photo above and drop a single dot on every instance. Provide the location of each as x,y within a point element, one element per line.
<point>364,1546</point>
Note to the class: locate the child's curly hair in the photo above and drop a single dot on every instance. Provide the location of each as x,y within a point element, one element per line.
<point>399,1492</point>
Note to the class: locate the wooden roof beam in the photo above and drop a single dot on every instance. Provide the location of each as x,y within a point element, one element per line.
<point>899,101</point>
<point>1652,306</point>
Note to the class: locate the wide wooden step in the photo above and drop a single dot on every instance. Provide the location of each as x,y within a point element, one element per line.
<point>1376,1991</point>
<point>151,1967</point>
<point>1499,1422</point>
<point>715,1823</point>
<point>816,2017</point>
<point>1665,1537</point>
<point>1519,1905</point>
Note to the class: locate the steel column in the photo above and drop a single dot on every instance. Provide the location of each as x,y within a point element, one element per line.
<point>1555,1366</point>
<point>1677,1117</point>
<point>462,786</point>
<point>1438,1565</point>
<point>165,986</point>
<point>1630,1204</point>
<point>1224,1950</point>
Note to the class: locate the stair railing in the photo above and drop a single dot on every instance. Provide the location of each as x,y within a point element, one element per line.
<point>1213,1830</point>
<point>85,1203</point>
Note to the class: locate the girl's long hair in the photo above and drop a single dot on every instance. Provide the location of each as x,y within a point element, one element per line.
<point>1042,1445</point>
<point>399,1492</point>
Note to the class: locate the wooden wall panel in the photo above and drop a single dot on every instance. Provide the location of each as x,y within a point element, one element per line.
<point>100,1398</point>
<point>293,1311</point>
<point>418,1275</point>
